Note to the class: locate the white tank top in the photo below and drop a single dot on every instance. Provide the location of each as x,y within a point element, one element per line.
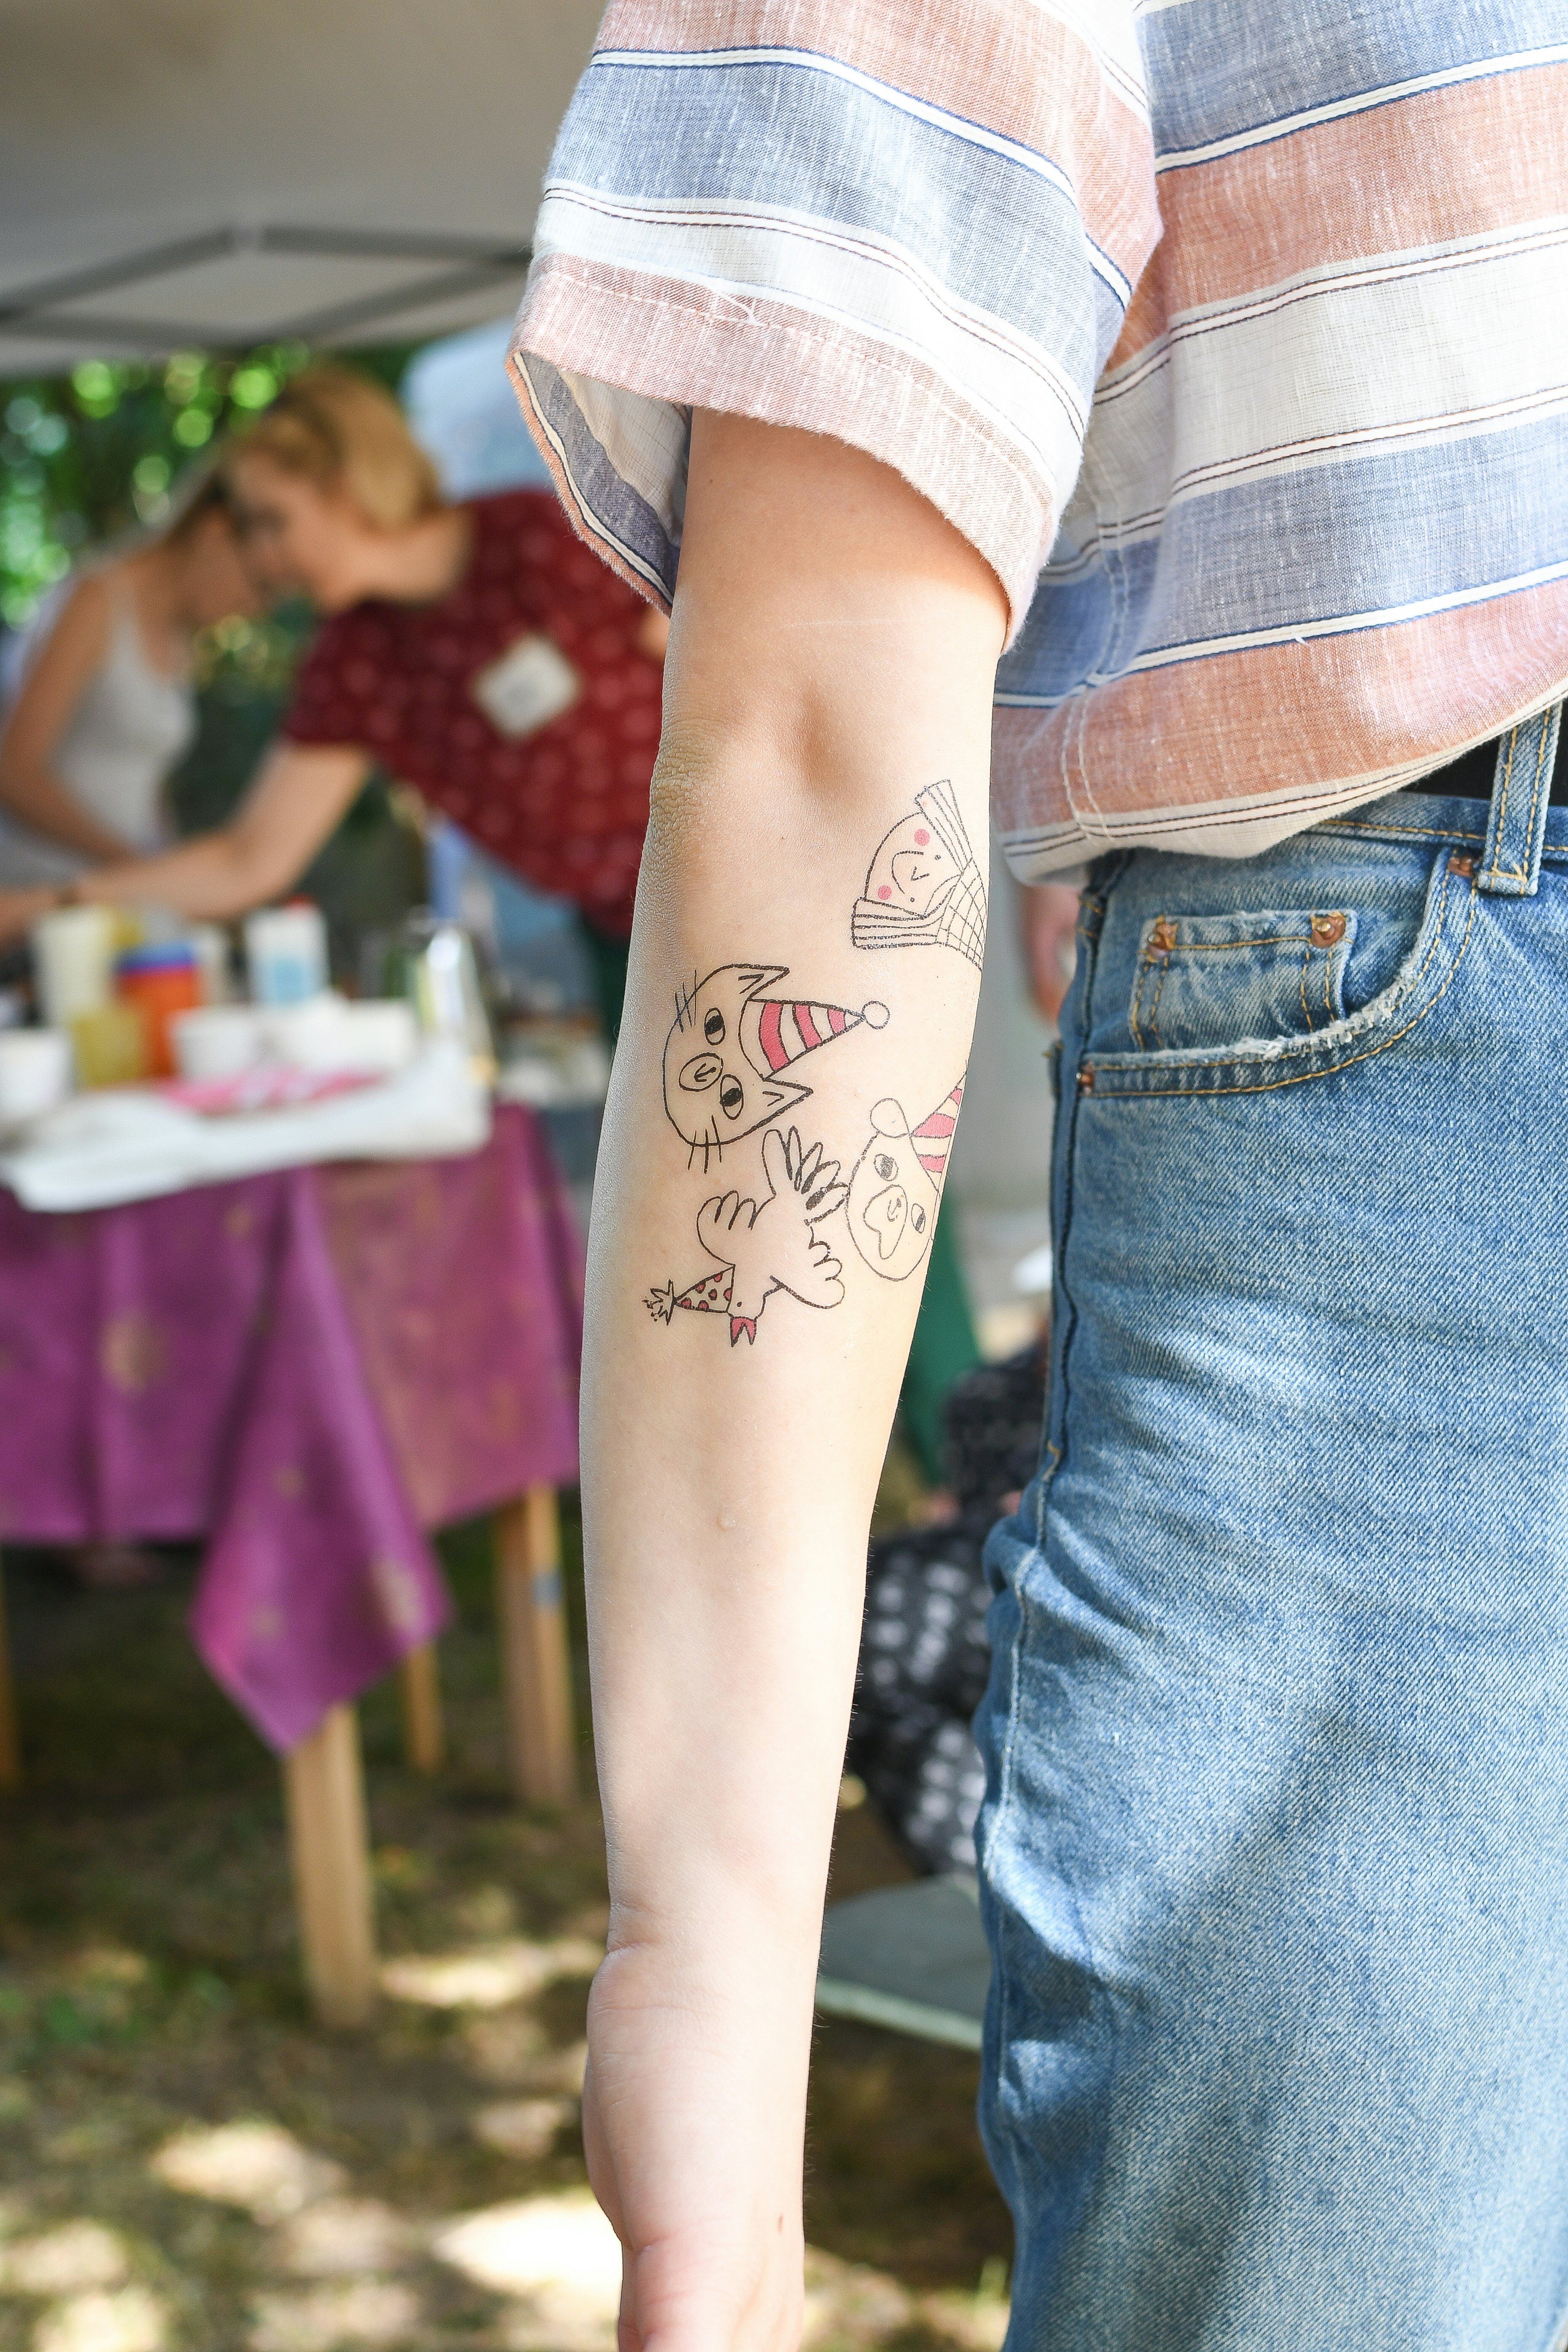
<point>131,724</point>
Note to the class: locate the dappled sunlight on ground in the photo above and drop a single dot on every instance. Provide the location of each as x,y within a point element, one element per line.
<point>188,2165</point>
<point>489,1977</point>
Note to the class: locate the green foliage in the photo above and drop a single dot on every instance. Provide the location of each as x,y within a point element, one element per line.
<point>88,456</point>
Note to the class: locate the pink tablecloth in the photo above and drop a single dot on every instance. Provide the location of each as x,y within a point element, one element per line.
<point>310,1368</point>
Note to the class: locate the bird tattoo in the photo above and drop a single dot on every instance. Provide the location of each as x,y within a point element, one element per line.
<point>761,1247</point>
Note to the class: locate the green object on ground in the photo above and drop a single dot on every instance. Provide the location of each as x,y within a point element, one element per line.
<point>913,1959</point>
<point>943,1348</point>
<point>608,957</point>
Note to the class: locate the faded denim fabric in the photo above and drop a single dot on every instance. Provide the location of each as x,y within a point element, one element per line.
<point>1274,1844</point>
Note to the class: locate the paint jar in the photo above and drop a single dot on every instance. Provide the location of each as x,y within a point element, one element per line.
<point>73,962</point>
<point>161,981</point>
<point>35,1073</point>
<point>109,1045</point>
<point>286,952</point>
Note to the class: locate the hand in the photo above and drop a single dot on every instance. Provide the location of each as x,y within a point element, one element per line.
<point>20,909</point>
<point>692,2127</point>
<point>1047,916</point>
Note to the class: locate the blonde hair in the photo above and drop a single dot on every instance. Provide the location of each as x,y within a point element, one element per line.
<point>344,433</point>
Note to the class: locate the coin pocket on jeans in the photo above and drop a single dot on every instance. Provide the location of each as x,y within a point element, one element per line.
<point>1221,980</point>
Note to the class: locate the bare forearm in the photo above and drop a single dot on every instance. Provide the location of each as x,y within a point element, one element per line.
<point>298,797</point>
<point>800,986</point>
<point>40,800</point>
<point>209,878</point>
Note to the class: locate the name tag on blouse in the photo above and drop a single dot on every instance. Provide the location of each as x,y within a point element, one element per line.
<point>531,684</point>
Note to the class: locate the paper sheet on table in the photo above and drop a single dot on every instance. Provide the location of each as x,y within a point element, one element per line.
<point>131,1144</point>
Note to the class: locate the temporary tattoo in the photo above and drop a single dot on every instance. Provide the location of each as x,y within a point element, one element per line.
<point>895,1186</point>
<point>925,889</point>
<point>726,1056</point>
<point>765,1245</point>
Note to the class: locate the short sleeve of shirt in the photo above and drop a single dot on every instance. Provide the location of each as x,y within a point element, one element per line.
<point>915,229</point>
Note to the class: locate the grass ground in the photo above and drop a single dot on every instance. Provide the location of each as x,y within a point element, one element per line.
<point>150,2001</point>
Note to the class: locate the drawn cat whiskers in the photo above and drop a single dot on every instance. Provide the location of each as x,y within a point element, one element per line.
<point>732,1056</point>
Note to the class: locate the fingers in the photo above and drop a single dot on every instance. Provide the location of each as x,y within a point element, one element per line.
<point>775,1161</point>
<point>717,1216</point>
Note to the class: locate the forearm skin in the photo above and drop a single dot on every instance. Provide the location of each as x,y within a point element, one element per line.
<point>826,716</point>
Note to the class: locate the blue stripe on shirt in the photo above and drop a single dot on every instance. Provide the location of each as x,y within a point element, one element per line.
<point>1293,550</point>
<point>818,145</point>
<point>1218,67</point>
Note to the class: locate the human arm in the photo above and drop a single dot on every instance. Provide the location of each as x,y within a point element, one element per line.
<point>728,1481</point>
<point>30,788</point>
<point>1048,921</point>
<point>300,794</point>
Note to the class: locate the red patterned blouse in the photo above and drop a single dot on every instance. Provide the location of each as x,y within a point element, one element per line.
<point>520,703</point>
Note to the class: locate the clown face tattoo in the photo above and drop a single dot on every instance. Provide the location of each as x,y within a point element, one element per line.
<point>924,887</point>
<point>731,1049</point>
<point>895,1186</point>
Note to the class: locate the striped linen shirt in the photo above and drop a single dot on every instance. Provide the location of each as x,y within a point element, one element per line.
<point>1234,334</point>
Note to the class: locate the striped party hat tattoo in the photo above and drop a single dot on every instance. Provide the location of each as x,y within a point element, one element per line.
<point>731,1058</point>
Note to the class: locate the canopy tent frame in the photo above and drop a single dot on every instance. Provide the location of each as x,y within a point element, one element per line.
<point>467,265</point>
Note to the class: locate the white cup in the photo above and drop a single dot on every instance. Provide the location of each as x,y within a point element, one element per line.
<point>308,1036</point>
<point>217,1041</point>
<point>73,962</point>
<point>381,1035</point>
<point>35,1072</point>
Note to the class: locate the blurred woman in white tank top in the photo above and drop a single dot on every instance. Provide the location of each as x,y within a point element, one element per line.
<point>100,707</point>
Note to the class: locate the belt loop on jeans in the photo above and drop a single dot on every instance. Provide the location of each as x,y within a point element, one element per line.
<point>1522,797</point>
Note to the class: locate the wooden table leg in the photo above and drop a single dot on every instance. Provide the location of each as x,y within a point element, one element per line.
<point>10,1736</point>
<point>533,1649</point>
<point>419,1685</point>
<point>325,1796</point>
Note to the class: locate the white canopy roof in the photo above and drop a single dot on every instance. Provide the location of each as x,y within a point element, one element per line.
<point>182,172</point>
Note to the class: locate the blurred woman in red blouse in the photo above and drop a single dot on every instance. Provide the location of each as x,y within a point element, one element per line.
<point>476,651</point>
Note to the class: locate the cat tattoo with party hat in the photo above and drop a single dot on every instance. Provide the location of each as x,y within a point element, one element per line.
<point>761,1247</point>
<point>732,1053</point>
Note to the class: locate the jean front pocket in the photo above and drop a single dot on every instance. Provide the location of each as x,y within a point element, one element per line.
<point>1209,979</point>
<point>1227,1050</point>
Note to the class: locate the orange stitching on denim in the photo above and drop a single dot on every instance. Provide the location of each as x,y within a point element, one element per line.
<point>1494,872</point>
<point>1224,1061</point>
<point>1535,787</point>
<point>1519,873</point>
<point>1216,947</point>
<point>1272,1085</point>
<point>1306,1014</point>
<point>1154,1008</point>
<point>1402,831</point>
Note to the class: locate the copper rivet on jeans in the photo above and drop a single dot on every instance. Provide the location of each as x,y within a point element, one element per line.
<point>1164,935</point>
<point>1327,928</point>
<point>1086,1080</point>
<point>1465,865</point>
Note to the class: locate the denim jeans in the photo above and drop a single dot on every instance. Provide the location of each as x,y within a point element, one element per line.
<point>1275,1843</point>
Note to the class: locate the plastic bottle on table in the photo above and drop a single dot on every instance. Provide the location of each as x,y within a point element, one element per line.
<point>286,952</point>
